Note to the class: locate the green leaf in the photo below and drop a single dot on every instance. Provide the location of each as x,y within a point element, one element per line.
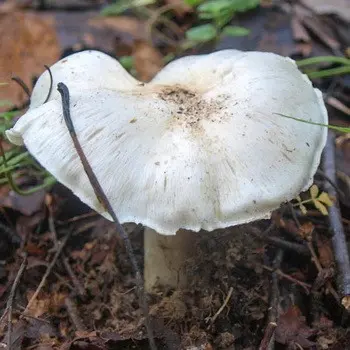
<point>219,6</point>
<point>235,31</point>
<point>245,5</point>
<point>203,33</point>
<point>8,115</point>
<point>215,7</point>
<point>123,5</point>
<point>168,58</point>
<point>127,62</point>
<point>193,2</point>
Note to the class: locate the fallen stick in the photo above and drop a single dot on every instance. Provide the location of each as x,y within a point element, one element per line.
<point>281,243</point>
<point>341,253</point>
<point>101,195</point>
<point>74,315</point>
<point>268,341</point>
<point>227,299</point>
<point>9,305</point>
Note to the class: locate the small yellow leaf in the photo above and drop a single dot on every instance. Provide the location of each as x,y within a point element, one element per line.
<point>303,209</point>
<point>314,191</point>
<point>321,207</point>
<point>325,199</point>
<point>298,198</point>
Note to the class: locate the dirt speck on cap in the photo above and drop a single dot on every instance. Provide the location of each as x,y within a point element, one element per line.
<point>191,108</point>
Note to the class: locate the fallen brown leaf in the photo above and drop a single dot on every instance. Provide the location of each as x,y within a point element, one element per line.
<point>270,42</point>
<point>12,5</point>
<point>47,303</point>
<point>148,61</point>
<point>179,7</point>
<point>299,32</point>
<point>27,44</point>
<point>338,7</point>
<point>306,230</point>
<point>292,329</point>
<point>126,27</point>
<point>322,31</point>
<point>325,253</point>
<point>26,224</point>
<point>335,103</point>
<point>303,49</point>
<point>30,328</point>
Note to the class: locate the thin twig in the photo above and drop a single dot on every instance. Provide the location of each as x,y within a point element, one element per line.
<point>268,335</point>
<point>78,287</point>
<point>51,222</point>
<point>48,271</point>
<point>100,194</point>
<point>22,84</point>
<point>280,273</point>
<point>9,305</point>
<point>339,241</point>
<point>74,315</point>
<point>335,186</point>
<point>77,218</point>
<point>281,243</point>
<point>156,16</point>
<point>320,270</point>
<point>274,298</point>
<point>294,215</point>
<point>227,299</point>
<point>51,83</point>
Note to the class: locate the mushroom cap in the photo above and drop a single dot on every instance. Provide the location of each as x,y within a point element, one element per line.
<point>202,146</point>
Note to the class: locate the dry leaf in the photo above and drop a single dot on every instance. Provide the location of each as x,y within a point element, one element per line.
<point>338,7</point>
<point>148,61</point>
<point>46,303</point>
<point>27,44</point>
<point>12,5</point>
<point>322,31</point>
<point>299,32</point>
<point>325,253</point>
<point>303,49</point>
<point>126,27</point>
<point>335,103</point>
<point>291,328</point>
<point>306,230</point>
<point>179,7</point>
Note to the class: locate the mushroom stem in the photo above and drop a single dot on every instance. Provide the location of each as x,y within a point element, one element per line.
<point>165,258</point>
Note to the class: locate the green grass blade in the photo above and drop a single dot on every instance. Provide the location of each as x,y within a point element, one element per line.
<point>333,127</point>
<point>322,59</point>
<point>329,72</point>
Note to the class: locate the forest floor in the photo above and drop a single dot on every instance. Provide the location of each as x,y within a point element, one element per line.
<point>65,278</point>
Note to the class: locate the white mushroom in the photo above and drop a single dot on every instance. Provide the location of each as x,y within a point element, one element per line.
<point>202,146</point>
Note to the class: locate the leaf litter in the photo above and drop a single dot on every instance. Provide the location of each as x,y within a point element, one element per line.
<point>89,300</point>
